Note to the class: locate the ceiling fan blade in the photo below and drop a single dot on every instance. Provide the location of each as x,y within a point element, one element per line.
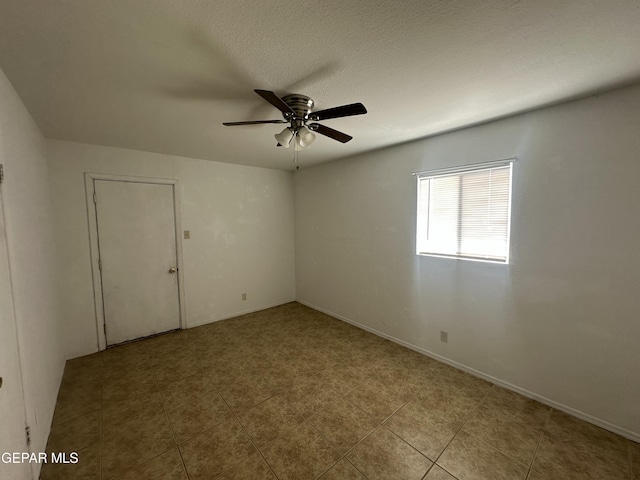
<point>275,100</point>
<point>330,132</point>
<point>342,111</point>
<point>254,122</point>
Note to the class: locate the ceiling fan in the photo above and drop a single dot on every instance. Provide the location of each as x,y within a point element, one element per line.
<point>297,111</point>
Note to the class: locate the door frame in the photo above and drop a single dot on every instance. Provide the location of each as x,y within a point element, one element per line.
<point>94,249</point>
<point>10,310</point>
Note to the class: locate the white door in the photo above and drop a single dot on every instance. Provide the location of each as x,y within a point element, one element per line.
<point>12,414</point>
<point>137,244</point>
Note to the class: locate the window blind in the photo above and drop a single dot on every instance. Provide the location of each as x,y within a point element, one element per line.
<point>465,214</point>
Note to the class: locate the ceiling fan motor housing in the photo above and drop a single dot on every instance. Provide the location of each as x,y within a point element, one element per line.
<point>301,105</point>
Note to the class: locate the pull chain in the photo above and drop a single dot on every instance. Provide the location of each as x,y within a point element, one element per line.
<point>295,151</point>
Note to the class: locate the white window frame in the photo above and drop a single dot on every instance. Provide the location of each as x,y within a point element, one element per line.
<point>444,172</point>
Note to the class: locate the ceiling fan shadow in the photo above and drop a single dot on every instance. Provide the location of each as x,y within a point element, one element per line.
<point>216,76</point>
<point>207,90</point>
<point>298,86</point>
<point>315,76</point>
<point>219,77</point>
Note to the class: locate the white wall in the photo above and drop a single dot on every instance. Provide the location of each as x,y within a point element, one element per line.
<point>241,224</point>
<point>31,252</point>
<point>561,322</point>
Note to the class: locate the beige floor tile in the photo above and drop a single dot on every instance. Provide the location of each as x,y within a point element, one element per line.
<point>175,365</point>
<point>343,424</point>
<point>87,467</point>
<point>247,392</point>
<point>401,355</point>
<point>205,344</point>
<point>193,406</point>
<point>132,448</point>
<point>252,363</point>
<point>125,366</point>
<point>378,400</point>
<point>416,361</point>
<point>77,399</point>
<point>309,395</point>
<point>442,370</point>
<point>280,376</point>
<point>424,379</point>
<point>134,383</point>
<point>166,466</point>
<point>519,408</point>
<point>302,454</point>
<point>516,439</point>
<point>467,458</point>
<point>253,468</point>
<point>75,434</point>
<point>269,420</point>
<point>343,378</point>
<point>221,373</point>
<point>420,428</point>
<point>448,402</point>
<point>166,343</point>
<point>533,475</point>
<point>565,428</point>
<point>301,364</point>
<point>130,412</point>
<point>570,444</point>
<point>87,369</point>
<point>398,377</point>
<point>287,362</point>
<point>215,451</point>
<point>384,456</point>
<point>121,360</point>
<point>437,473</point>
<point>343,470</point>
<point>558,458</point>
<point>363,359</point>
<point>634,455</point>
<point>467,384</point>
<point>133,432</point>
<point>383,361</point>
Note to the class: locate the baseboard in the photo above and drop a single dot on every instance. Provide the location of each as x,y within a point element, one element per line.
<point>237,314</point>
<point>496,381</point>
<point>95,349</point>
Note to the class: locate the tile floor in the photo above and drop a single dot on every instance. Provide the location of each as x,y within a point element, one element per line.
<point>292,394</point>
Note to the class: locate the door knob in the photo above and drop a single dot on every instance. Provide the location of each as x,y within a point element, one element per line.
<point>173,270</point>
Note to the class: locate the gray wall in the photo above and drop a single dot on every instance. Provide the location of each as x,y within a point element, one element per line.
<point>31,248</point>
<point>560,323</point>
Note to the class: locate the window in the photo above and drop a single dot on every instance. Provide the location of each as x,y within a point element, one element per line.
<point>464,212</point>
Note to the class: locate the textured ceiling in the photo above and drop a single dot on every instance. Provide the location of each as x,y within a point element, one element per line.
<point>162,75</point>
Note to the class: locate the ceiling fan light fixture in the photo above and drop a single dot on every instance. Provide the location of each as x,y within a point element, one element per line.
<point>305,137</point>
<point>284,137</point>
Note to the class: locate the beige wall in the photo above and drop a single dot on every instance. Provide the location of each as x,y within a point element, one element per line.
<point>241,224</point>
<point>560,322</point>
<point>31,253</point>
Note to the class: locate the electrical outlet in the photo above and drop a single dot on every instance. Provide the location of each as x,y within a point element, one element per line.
<point>187,234</point>
<point>444,336</point>
<point>244,296</point>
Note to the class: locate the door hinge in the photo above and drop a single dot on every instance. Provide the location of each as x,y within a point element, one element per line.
<point>104,327</point>
<point>1,173</point>
<point>95,198</point>
<point>100,264</point>
<point>27,432</point>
